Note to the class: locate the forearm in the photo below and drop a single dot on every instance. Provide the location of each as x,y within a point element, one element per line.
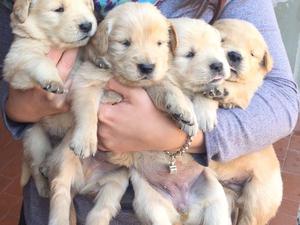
<point>271,115</point>
<point>274,109</point>
<point>16,129</point>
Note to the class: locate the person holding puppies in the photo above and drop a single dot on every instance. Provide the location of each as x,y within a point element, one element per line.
<point>136,125</point>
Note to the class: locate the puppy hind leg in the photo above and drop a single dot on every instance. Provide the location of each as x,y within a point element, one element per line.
<point>210,203</point>
<point>260,200</point>
<point>36,147</point>
<point>66,174</point>
<point>107,203</point>
<point>151,207</point>
<point>25,173</point>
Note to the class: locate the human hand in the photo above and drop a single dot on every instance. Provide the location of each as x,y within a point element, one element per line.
<point>135,124</point>
<point>34,104</point>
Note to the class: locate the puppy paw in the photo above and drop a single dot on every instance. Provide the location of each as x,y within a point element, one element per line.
<point>44,171</point>
<point>111,97</point>
<point>227,105</point>
<point>42,188</point>
<point>216,93</point>
<point>84,146</point>
<point>55,87</point>
<point>186,119</point>
<point>207,120</point>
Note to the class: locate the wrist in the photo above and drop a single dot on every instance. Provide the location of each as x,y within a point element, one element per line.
<point>197,145</point>
<point>22,114</point>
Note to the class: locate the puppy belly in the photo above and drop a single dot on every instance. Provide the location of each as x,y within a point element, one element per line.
<point>176,187</point>
<point>57,126</point>
<point>95,169</point>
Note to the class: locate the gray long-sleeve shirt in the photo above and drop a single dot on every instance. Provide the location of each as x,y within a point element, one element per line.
<point>271,115</point>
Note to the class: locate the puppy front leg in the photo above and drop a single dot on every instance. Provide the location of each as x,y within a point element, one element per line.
<point>171,100</point>
<point>232,94</point>
<point>150,206</point>
<point>87,91</point>
<point>34,68</point>
<point>85,107</point>
<point>206,111</point>
<point>107,202</point>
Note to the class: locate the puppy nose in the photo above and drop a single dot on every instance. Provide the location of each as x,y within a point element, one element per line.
<point>216,67</point>
<point>85,27</point>
<point>146,68</point>
<point>235,56</point>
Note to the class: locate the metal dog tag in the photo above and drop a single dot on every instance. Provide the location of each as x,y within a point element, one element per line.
<point>172,166</point>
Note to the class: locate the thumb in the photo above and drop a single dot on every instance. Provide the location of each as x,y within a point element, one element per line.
<point>116,86</point>
<point>66,63</point>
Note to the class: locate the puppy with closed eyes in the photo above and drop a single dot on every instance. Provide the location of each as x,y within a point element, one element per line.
<point>39,26</point>
<point>253,182</point>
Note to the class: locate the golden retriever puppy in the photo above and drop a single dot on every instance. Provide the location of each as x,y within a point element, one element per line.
<point>249,60</point>
<point>253,181</point>
<point>39,26</point>
<point>192,195</point>
<point>132,44</point>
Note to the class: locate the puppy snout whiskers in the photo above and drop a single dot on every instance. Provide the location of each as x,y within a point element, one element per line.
<point>146,69</point>
<point>235,57</point>
<point>85,27</point>
<point>216,67</point>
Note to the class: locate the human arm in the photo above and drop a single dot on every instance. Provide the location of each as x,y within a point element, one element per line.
<point>273,111</point>
<point>271,115</point>
<point>136,125</point>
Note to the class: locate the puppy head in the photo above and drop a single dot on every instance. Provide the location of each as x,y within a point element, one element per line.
<point>134,37</point>
<point>246,50</point>
<point>199,58</point>
<point>60,23</point>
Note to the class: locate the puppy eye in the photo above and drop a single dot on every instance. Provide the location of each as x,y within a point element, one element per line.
<point>60,9</point>
<point>190,54</point>
<point>222,40</point>
<point>126,43</point>
<point>159,43</point>
<point>252,54</point>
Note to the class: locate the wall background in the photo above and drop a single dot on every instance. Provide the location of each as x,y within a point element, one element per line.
<point>288,16</point>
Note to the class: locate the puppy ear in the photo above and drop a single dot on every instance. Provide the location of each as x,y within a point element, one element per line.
<point>100,41</point>
<point>91,4</point>
<point>173,39</point>
<point>267,61</point>
<point>98,45</point>
<point>21,10</point>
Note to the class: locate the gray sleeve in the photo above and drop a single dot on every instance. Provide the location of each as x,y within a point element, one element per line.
<point>16,129</point>
<point>274,109</point>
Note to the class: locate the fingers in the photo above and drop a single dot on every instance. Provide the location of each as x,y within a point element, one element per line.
<point>66,63</point>
<point>119,88</point>
<point>101,147</point>
<point>55,55</point>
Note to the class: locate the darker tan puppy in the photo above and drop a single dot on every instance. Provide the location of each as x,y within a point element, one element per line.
<point>254,181</point>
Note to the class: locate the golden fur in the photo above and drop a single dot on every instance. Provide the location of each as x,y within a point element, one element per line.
<point>261,193</point>
<point>243,38</point>
<point>38,26</point>
<point>146,29</point>
<point>252,182</point>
